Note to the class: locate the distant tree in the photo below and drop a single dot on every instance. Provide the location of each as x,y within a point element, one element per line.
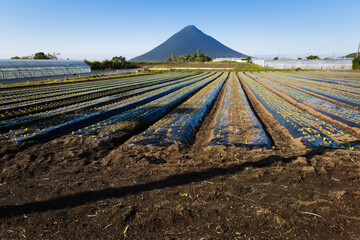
<point>180,59</point>
<point>276,58</point>
<point>312,57</point>
<point>208,59</point>
<point>25,57</point>
<point>248,59</point>
<point>194,57</point>
<point>199,59</point>
<point>119,59</point>
<point>96,65</point>
<point>299,58</point>
<point>351,55</point>
<point>186,57</point>
<point>356,63</point>
<point>328,58</point>
<point>40,55</point>
<point>117,62</point>
<point>52,56</point>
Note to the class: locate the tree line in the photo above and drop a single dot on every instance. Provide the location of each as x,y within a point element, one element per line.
<point>356,63</point>
<point>117,62</point>
<point>194,57</point>
<point>39,55</point>
<point>113,64</point>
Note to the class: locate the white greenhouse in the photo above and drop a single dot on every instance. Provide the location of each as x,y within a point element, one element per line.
<point>15,69</point>
<point>336,64</point>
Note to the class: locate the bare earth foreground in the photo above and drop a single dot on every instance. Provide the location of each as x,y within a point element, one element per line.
<point>88,189</point>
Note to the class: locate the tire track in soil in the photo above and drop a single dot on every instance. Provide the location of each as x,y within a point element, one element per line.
<point>352,130</point>
<point>280,135</point>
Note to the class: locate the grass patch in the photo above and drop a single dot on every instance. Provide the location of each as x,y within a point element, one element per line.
<point>227,61</point>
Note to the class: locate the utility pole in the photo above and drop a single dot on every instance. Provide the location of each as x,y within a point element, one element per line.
<point>357,54</point>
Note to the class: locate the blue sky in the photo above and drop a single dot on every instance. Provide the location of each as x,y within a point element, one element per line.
<point>95,29</point>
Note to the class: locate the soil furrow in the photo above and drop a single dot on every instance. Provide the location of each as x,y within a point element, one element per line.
<point>280,135</point>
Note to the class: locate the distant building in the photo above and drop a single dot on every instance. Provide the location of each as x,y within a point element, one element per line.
<point>16,69</point>
<point>335,64</point>
<point>228,59</point>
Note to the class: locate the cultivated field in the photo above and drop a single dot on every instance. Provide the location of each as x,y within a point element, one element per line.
<point>233,155</point>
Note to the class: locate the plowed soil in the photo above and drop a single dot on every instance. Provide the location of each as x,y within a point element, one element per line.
<point>89,189</point>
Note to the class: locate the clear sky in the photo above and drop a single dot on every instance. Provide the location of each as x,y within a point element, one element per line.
<point>98,29</point>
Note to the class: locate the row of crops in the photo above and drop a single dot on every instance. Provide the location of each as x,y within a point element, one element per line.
<point>312,131</point>
<point>21,102</point>
<point>348,116</point>
<point>171,108</point>
<point>349,97</point>
<point>182,123</point>
<point>236,124</point>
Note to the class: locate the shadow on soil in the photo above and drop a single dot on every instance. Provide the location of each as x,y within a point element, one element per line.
<point>79,199</point>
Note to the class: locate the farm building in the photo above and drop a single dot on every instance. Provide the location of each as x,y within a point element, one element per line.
<point>15,69</point>
<point>336,64</point>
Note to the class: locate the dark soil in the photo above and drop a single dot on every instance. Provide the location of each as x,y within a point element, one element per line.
<point>88,189</point>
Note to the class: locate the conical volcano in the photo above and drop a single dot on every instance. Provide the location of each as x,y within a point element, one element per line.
<point>189,40</point>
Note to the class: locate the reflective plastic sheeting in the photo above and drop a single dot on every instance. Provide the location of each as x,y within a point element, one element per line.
<point>24,69</point>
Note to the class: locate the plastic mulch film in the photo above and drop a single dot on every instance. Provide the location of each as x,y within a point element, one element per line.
<point>181,125</point>
<point>236,123</point>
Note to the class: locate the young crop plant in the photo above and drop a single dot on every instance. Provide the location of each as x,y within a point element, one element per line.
<point>180,126</point>
<point>62,122</point>
<point>148,113</point>
<point>312,131</point>
<point>345,115</point>
<point>46,99</point>
<point>352,99</point>
<point>236,123</point>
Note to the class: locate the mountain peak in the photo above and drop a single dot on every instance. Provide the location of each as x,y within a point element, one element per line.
<point>190,27</point>
<point>189,40</point>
